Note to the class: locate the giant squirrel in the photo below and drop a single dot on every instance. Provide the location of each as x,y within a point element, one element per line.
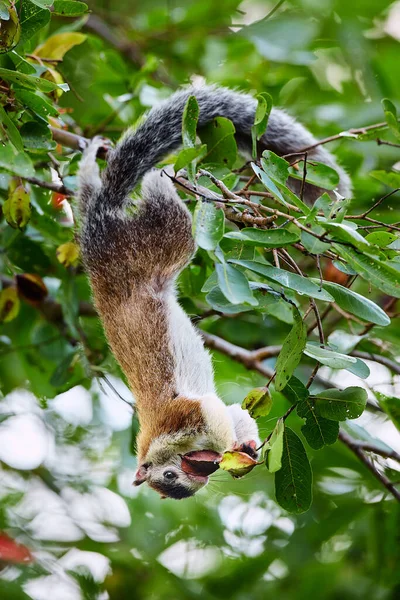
<point>133,259</point>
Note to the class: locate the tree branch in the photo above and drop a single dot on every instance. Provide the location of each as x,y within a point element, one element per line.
<point>50,185</point>
<point>246,357</point>
<point>68,139</point>
<point>355,448</point>
<point>356,131</point>
<point>369,447</point>
<point>383,360</point>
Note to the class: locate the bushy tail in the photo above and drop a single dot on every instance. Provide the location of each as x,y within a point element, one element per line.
<point>161,213</point>
<point>161,133</point>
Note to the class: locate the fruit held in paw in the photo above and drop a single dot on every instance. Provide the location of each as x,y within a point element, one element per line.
<point>237,463</point>
<point>249,448</point>
<point>200,462</point>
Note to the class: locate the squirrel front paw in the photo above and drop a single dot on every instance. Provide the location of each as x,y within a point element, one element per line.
<point>249,448</point>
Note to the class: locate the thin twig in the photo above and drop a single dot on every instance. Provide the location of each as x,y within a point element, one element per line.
<point>355,448</point>
<point>383,360</point>
<point>50,185</point>
<point>354,132</point>
<point>385,453</point>
<point>273,10</point>
<point>377,203</point>
<point>303,181</point>
<point>385,143</point>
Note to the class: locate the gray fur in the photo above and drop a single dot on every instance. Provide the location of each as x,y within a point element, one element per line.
<point>161,133</point>
<point>106,232</point>
<point>133,262</point>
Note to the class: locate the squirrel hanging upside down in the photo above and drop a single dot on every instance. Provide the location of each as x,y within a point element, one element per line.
<point>133,261</point>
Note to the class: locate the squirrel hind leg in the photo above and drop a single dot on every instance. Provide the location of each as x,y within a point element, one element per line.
<point>89,180</point>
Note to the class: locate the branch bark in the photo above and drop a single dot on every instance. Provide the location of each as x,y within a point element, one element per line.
<point>355,448</point>
<point>369,447</point>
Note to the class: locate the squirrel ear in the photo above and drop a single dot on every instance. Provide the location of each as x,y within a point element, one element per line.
<point>141,475</point>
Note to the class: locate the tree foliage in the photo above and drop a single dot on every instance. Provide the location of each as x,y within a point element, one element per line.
<point>299,303</point>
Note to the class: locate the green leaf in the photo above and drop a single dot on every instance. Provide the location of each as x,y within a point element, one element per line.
<point>339,405</point>
<point>189,155</point>
<point>258,402</point>
<point>37,136</point>
<point>216,299</point>
<point>318,431</point>
<point>36,103</point>
<point>344,268</point>
<point>189,126</point>
<point>328,357</point>
<point>381,238</point>
<point>43,3</point>
<point>274,176</point>
<point>68,254</point>
<point>356,304</point>
<point>263,110</point>
<point>275,166</point>
<point>210,283</point>
<point>266,238</point>
<point>391,406</point>
<point>189,122</point>
<point>295,282</point>
<point>271,305</point>
<point>360,368</point>
<point>273,459</point>
<point>29,81</point>
<point>295,390</point>
<point>32,19</point>
<point>69,8</point>
<point>208,225</point>
<point>7,125</point>
<point>291,352</point>
<point>380,274</point>
<point>391,117</point>
<point>293,482</point>
<point>10,28</point>
<point>9,304</point>
<point>234,285</point>
<point>219,135</point>
<point>318,174</point>
<point>345,233</point>
<point>17,207</point>
<point>343,341</point>
<point>268,183</point>
<point>390,178</point>
<point>313,244</point>
<point>21,65</point>
<point>56,46</point>
<point>18,163</point>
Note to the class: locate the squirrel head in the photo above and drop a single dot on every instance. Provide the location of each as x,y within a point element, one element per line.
<point>181,476</point>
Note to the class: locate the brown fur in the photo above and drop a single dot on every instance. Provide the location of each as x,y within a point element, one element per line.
<point>136,329</point>
<point>175,415</point>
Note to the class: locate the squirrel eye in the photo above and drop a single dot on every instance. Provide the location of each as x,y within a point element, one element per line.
<point>169,475</point>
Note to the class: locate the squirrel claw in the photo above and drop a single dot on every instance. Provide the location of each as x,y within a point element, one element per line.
<point>249,448</point>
